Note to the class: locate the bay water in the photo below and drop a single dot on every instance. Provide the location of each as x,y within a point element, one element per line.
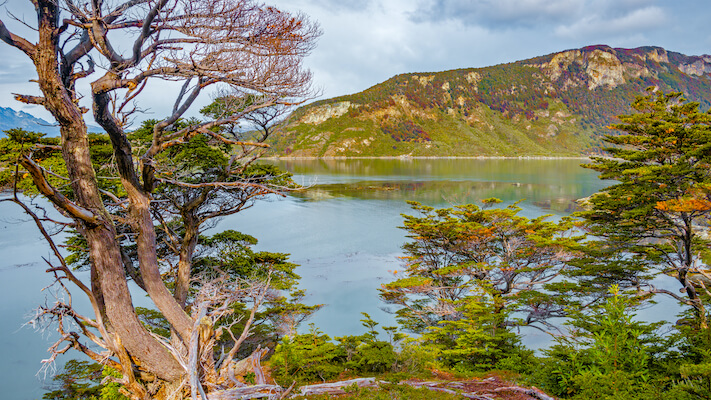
<point>342,230</point>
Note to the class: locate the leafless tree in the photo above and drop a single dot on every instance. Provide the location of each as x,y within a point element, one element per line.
<point>240,46</point>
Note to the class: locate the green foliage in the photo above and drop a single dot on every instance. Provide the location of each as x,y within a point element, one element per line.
<point>365,353</point>
<point>111,390</point>
<point>154,321</point>
<point>607,354</point>
<point>478,340</point>
<point>688,363</point>
<point>83,380</point>
<point>415,359</point>
<point>306,358</point>
<point>78,380</point>
<point>232,252</point>
<point>314,356</point>
<point>20,142</point>
<point>228,105</point>
<point>468,271</point>
<point>46,154</point>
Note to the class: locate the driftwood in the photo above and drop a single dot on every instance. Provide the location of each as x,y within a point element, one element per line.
<point>336,387</point>
<point>434,386</point>
<point>485,389</point>
<point>473,389</point>
<point>241,368</point>
<point>533,392</point>
<point>248,392</point>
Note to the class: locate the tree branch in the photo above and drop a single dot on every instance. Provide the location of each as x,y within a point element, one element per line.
<point>54,195</point>
<point>17,41</point>
<point>146,30</point>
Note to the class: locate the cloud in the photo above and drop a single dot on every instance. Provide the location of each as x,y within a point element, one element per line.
<point>368,41</point>
<point>332,6</point>
<point>542,15</point>
<point>497,14</point>
<point>635,22</point>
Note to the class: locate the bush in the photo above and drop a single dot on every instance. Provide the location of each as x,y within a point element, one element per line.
<point>307,358</point>
<point>478,340</point>
<point>314,356</point>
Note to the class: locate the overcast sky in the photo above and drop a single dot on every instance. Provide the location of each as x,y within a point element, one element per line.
<point>365,42</point>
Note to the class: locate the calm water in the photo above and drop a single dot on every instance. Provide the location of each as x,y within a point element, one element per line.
<point>343,231</point>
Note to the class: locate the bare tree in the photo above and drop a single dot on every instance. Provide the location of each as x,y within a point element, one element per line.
<point>253,51</point>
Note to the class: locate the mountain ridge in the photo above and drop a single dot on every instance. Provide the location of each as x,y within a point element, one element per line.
<point>10,118</point>
<point>552,105</point>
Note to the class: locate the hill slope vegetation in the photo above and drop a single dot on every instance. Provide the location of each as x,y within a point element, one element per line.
<point>554,105</point>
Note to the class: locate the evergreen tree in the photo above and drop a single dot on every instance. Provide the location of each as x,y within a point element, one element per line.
<point>489,254</point>
<point>652,220</point>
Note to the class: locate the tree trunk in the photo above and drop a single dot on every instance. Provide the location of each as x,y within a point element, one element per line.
<point>148,264</point>
<point>108,278</point>
<point>187,248</point>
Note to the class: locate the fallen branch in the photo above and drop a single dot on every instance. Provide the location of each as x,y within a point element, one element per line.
<point>434,387</point>
<point>248,392</point>
<point>533,392</point>
<point>458,388</point>
<point>334,388</point>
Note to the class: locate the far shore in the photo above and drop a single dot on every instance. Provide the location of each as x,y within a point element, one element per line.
<point>288,158</point>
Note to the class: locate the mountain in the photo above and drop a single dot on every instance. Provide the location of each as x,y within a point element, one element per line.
<point>10,118</point>
<point>553,105</point>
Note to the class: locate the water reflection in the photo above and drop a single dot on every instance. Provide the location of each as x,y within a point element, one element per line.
<point>494,170</point>
<point>552,185</point>
<point>549,197</point>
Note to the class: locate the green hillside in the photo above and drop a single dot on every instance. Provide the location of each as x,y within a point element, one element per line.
<point>554,105</point>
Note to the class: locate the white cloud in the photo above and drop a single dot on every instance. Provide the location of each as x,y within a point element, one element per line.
<point>636,22</point>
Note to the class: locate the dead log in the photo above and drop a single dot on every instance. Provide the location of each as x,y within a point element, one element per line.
<point>247,392</point>
<point>334,388</point>
<point>434,386</point>
<point>533,392</point>
<point>252,363</point>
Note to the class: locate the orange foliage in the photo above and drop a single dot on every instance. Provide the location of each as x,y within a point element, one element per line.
<point>684,205</point>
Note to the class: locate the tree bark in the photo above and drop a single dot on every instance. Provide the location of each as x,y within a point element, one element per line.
<point>108,278</point>
<point>187,248</point>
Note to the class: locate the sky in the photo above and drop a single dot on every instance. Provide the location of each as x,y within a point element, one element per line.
<point>365,42</point>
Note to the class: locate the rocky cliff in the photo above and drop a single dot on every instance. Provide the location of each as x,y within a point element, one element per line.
<point>558,104</point>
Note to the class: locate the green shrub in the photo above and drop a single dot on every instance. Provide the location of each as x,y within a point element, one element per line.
<point>606,356</point>
<point>306,358</point>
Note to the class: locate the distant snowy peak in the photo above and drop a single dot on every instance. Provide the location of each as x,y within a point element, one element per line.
<point>10,119</point>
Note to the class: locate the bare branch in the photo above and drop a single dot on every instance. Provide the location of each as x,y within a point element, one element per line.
<point>17,41</point>
<point>27,99</point>
<point>257,302</point>
<point>146,29</point>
